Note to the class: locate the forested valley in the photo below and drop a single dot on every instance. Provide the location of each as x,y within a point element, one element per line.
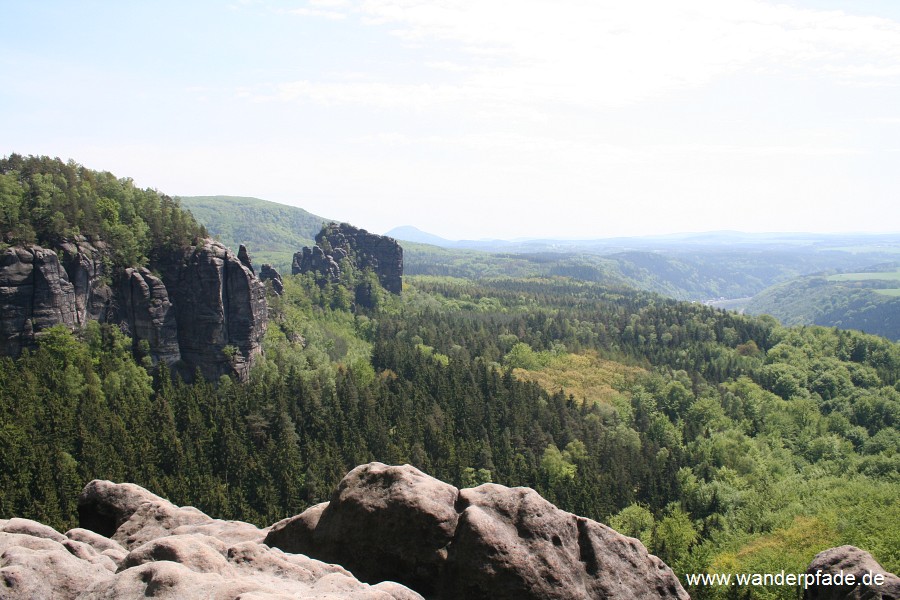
<point>725,443</point>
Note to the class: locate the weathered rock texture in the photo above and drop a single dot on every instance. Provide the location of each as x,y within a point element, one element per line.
<point>220,308</point>
<point>850,559</point>
<point>269,273</point>
<point>396,523</point>
<point>381,254</point>
<point>161,550</point>
<point>36,293</point>
<point>200,308</point>
<point>149,314</point>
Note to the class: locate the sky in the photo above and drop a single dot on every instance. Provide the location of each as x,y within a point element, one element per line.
<point>477,119</point>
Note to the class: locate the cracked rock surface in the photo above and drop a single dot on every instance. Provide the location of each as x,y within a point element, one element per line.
<point>147,547</point>
<point>396,523</point>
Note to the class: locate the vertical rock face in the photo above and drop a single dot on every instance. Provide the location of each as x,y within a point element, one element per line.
<point>84,264</point>
<point>383,255</point>
<point>268,273</point>
<point>149,315</point>
<point>35,294</point>
<point>220,309</point>
<point>207,310</point>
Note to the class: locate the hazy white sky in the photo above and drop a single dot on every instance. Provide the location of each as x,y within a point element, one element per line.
<point>477,118</point>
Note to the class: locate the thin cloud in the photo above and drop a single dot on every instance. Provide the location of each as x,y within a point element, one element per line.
<point>536,58</point>
<point>312,12</point>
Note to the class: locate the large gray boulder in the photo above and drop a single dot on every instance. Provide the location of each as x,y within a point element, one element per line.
<point>161,550</point>
<point>387,522</point>
<point>103,506</point>
<point>851,560</point>
<point>383,523</point>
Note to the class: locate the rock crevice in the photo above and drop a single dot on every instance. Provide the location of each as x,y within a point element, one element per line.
<point>396,523</point>
<point>197,308</point>
<point>148,547</point>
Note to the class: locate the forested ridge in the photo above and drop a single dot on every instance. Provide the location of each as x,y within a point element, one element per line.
<point>724,442</point>
<point>820,300</point>
<point>46,201</point>
<point>735,445</point>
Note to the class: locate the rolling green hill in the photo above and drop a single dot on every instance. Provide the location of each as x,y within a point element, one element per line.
<point>703,267</point>
<point>868,301</point>
<point>272,232</point>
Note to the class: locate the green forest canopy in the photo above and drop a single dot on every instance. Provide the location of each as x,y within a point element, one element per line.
<point>45,201</point>
<point>728,444</point>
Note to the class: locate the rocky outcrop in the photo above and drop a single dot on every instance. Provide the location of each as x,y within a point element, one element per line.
<point>35,294</point>
<point>870,580</point>
<point>220,309</point>
<point>86,266</point>
<point>268,273</point>
<point>367,251</point>
<point>384,525</point>
<point>199,308</point>
<point>396,523</point>
<point>149,314</point>
<point>161,550</point>
<point>314,260</point>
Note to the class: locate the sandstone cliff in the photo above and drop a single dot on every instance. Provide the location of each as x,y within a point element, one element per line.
<point>38,290</point>
<point>383,525</point>
<point>199,308</point>
<point>366,251</point>
<point>220,308</point>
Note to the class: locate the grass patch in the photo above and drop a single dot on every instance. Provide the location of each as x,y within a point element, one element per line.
<point>885,276</point>
<point>587,377</point>
<point>894,292</point>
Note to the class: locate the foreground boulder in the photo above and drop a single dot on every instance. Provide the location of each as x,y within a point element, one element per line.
<point>161,550</point>
<point>396,523</point>
<point>871,581</point>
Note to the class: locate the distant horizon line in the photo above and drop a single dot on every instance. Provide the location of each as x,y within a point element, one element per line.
<point>552,238</point>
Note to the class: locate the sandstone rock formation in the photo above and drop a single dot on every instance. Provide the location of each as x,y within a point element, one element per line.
<point>860,563</point>
<point>314,260</point>
<point>85,265</point>
<point>381,254</point>
<point>149,314</point>
<point>269,273</point>
<point>35,294</point>
<point>43,287</point>
<point>161,550</point>
<point>396,523</point>
<point>204,309</point>
<point>385,524</point>
<point>220,308</point>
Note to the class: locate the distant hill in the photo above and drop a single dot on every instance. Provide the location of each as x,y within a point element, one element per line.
<point>692,272</point>
<point>271,231</point>
<point>867,301</point>
<point>408,233</point>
